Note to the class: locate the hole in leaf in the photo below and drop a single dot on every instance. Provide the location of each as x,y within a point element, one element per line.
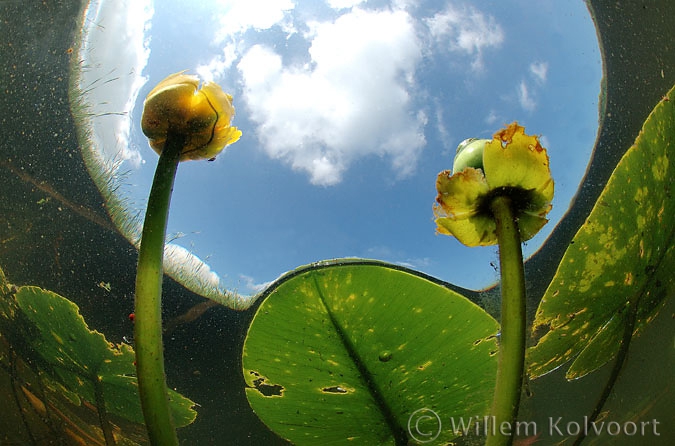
<point>540,331</point>
<point>265,389</point>
<point>334,389</point>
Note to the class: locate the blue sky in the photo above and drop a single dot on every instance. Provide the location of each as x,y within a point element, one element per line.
<point>349,109</point>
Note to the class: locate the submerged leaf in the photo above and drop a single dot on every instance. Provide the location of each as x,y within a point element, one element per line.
<point>618,268</point>
<point>77,366</point>
<point>349,352</point>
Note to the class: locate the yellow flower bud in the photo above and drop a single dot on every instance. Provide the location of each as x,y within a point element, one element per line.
<point>203,115</point>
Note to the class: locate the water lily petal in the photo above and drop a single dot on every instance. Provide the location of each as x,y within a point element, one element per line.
<point>479,230</point>
<point>224,133</point>
<point>179,79</point>
<point>458,194</point>
<point>458,210</point>
<point>164,107</point>
<point>514,159</point>
<point>529,225</point>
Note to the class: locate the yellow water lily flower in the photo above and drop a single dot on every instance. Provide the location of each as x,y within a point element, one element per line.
<point>513,164</point>
<point>203,115</point>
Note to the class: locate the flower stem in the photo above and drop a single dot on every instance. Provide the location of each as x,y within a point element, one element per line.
<point>512,342</point>
<point>148,316</point>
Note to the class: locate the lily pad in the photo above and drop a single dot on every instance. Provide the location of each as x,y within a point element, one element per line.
<point>354,352</point>
<point>47,332</point>
<point>617,272</point>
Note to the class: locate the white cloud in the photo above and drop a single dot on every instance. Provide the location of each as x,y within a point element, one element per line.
<point>540,71</point>
<point>527,93</point>
<point>116,36</point>
<point>338,4</point>
<point>397,256</point>
<point>525,98</point>
<point>252,286</point>
<point>219,64</point>
<point>443,132</point>
<point>491,118</point>
<point>466,30</point>
<point>352,100</point>
<point>235,18</point>
<point>238,16</point>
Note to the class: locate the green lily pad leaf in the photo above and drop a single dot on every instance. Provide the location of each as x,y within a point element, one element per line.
<point>48,331</point>
<point>618,269</point>
<point>348,352</point>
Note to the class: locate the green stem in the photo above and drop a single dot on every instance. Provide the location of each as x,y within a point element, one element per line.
<point>512,342</point>
<point>148,316</point>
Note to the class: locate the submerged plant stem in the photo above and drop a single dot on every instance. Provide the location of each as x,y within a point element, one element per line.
<point>631,318</point>
<point>148,317</point>
<point>512,342</point>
